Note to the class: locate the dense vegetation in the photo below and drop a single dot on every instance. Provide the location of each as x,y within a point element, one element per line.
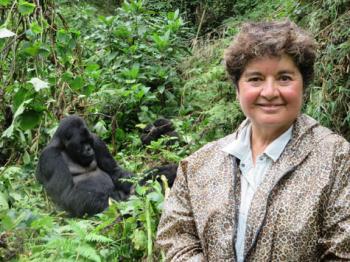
<point>121,65</point>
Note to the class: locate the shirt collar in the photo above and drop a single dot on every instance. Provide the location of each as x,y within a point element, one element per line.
<point>240,147</point>
<point>274,149</point>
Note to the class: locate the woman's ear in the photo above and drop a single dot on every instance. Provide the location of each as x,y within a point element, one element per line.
<point>237,90</point>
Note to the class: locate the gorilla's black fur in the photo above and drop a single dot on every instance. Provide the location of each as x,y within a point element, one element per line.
<point>154,131</point>
<point>78,172</point>
<point>169,171</point>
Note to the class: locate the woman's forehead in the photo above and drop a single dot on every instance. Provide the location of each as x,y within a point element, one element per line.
<point>270,64</point>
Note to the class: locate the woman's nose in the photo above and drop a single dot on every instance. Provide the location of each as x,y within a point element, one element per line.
<point>269,89</point>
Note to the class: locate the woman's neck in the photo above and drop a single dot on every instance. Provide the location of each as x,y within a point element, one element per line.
<point>262,137</point>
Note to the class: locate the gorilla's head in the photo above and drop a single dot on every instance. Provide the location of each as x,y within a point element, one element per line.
<point>76,140</point>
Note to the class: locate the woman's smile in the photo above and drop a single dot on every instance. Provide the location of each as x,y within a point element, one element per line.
<point>270,108</point>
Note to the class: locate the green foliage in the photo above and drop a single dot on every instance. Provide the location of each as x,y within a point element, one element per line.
<point>205,15</point>
<point>209,99</point>
<point>34,62</point>
<point>50,69</point>
<point>137,55</point>
<point>329,99</point>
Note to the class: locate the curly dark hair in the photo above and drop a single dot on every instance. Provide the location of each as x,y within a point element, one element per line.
<point>273,38</point>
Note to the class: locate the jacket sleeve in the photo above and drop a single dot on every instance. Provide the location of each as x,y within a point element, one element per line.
<point>177,234</point>
<point>336,226</point>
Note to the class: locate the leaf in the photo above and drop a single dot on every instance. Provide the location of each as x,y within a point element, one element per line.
<point>77,83</point>
<point>36,28</point>
<point>38,84</point>
<point>132,73</point>
<point>44,222</point>
<point>5,2</point>
<point>4,33</point>
<point>7,222</point>
<point>100,128</point>
<point>155,197</point>
<point>26,8</point>
<point>141,126</point>
<point>29,119</point>
<point>88,252</point>
<point>91,237</point>
<point>120,134</point>
<point>139,239</point>
<point>16,196</point>
<point>92,67</point>
<point>9,131</point>
<point>26,158</point>
<point>32,49</point>
<point>88,90</point>
<point>3,202</point>
<point>140,190</point>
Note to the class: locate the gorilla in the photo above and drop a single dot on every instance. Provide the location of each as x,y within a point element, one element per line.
<point>154,131</point>
<point>169,171</point>
<point>78,172</point>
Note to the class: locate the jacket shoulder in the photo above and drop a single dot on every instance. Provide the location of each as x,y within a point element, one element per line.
<point>323,136</point>
<point>217,145</point>
<point>209,154</point>
<point>310,130</point>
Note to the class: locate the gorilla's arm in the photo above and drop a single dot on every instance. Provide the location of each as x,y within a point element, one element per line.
<point>83,199</point>
<point>53,173</point>
<point>169,171</point>
<point>106,162</point>
<point>154,131</point>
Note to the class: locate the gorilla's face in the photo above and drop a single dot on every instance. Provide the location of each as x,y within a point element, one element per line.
<point>78,144</point>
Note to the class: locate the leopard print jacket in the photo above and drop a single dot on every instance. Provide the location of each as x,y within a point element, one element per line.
<point>300,212</point>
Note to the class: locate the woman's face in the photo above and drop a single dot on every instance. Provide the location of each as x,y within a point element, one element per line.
<point>270,92</point>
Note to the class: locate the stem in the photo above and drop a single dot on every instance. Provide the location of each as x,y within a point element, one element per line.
<point>10,14</point>
<point>199,27</point>
<point>149,231</point>
<point>165,186</point>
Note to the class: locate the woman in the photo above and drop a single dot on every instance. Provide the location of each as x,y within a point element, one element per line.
<point>278,189</point>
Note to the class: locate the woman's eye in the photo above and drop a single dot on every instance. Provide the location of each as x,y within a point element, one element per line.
<point>285,78</point>
<point>254,79</point>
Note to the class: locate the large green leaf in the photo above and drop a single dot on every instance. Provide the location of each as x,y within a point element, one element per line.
<point>77,83</point>
<point>29,119</point>
<point>26,8</point>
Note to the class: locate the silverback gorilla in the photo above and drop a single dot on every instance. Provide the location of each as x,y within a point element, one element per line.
<point>78,172</point>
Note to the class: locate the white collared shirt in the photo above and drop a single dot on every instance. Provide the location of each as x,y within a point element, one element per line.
<point>252,175</point>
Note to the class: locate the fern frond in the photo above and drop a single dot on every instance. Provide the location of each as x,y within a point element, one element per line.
<point>92,237</point>
<point>88,252</point>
